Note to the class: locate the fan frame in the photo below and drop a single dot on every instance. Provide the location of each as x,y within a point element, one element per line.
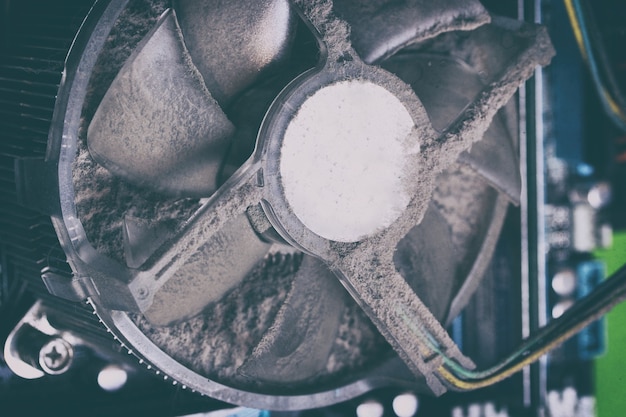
<point>110,298</point>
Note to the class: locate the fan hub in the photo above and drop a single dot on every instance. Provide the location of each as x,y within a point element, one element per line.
<point>346,159</point>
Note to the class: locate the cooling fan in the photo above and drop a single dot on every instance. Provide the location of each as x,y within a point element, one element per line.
<point>220,173</point>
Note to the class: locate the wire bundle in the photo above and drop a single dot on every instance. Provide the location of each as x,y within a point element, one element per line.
<point>595,57</point>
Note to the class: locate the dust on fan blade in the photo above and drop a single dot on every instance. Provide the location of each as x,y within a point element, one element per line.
<point>239,339</point>
<point>142,237</point>
<point>214,270</point>
<point>380,28</point>
<point>158,125</point>
<point>428,260</point>
<point>446,86</point>
<point>299,342</point>
<point>233,43</point>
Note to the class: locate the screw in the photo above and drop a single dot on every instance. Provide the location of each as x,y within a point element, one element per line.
<point>142,293</point>
<point>55,357</point>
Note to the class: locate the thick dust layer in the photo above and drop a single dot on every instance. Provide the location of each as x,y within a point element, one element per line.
<point>217,342</point>
<point>457,187</point>
<point>102,200</point>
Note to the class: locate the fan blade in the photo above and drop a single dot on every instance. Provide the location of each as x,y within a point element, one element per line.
<point>299,342</point>
<point>233,42</point>
<point>426,257</point>
<point>496,160</point>
<point>210,273</point>
<point>446,86</point>
<point>379,28</point>
<point>141,238</point>
<point>157,125</point>
<point>474,212</point>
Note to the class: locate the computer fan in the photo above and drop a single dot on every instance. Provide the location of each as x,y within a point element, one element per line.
<point>283,204</point>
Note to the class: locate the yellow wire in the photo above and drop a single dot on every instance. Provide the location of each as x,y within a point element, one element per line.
<point>578,34</point>
<point>472,385</point>
<point>615,108</point>
<point>575,22</point>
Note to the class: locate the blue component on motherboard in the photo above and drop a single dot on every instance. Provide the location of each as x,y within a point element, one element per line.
<point>592,339</point>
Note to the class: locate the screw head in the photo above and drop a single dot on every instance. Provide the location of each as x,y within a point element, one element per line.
<point>55,357</point>
<point>142,293</point>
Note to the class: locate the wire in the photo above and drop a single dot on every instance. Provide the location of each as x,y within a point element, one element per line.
<point>610,102</point>
<point>484,379</point>
<point>599,302</point>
